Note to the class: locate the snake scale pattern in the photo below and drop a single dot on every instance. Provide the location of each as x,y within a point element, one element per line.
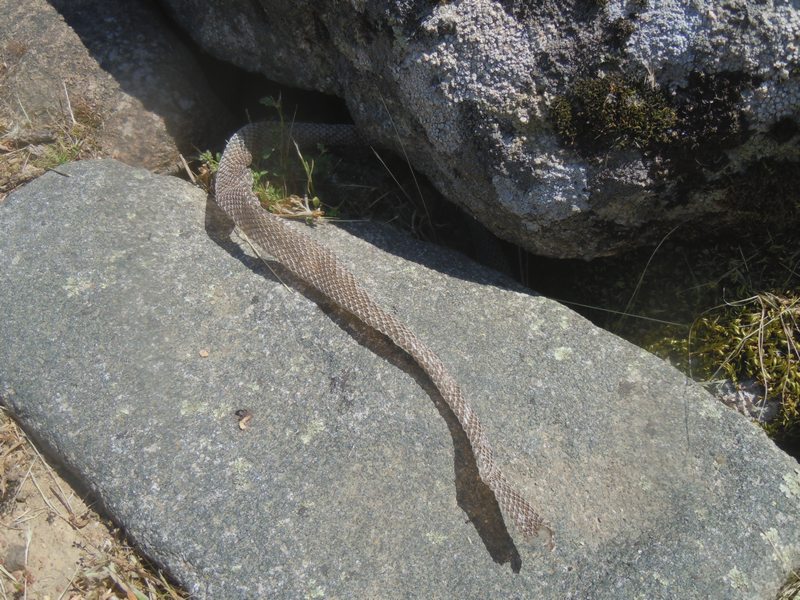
<point>319,267</point>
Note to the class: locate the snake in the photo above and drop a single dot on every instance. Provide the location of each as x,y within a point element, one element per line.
<point>318,266</point>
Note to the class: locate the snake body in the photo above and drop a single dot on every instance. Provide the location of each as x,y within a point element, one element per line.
<point>319,267</point>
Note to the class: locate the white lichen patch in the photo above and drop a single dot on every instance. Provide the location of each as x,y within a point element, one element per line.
<point>241,468</point>
<point>557,193</point>
<point>314,428</point>
<point>772,538</point>
<point>664,581</point>
<point>562,353</point>
<point>314,590</point>
<point>75,286</point>
<point>737,579</point>
<point>190,406</point>
<point>435,537</point>
<point>791,485</point>
<point>780,551</point>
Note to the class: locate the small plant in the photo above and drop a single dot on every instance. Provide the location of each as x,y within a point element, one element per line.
<point>283,178</point>
<point>73,137</point>
<point>209,165</point>
<point>211,160</point>
<point>285,185</point>
<point>67,147</point>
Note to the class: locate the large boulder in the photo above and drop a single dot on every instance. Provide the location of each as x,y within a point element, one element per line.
<point>133,329</point>
<point>574,129</point>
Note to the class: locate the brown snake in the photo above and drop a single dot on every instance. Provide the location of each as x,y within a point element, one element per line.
<point>318,266</point>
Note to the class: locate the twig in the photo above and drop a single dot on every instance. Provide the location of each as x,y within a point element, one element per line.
<point>46,499</point>
<point>24,112</point>
<point>764,376</point>
<point>47,468</point>
<point>28,538</point>
<point>24,519</point>
<point>123,585</point>
<point>7,574</point>
<point>69,583</point>
<point>74,520</point>
<point>59,494</point>
<point>21,483</point>
<point>187,169</point>
<point>168,587</point>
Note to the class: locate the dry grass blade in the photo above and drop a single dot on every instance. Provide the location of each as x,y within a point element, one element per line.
<point>638,286</point>
<point>399,139</point>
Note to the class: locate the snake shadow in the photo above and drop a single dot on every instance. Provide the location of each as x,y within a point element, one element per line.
<point>473,496</point>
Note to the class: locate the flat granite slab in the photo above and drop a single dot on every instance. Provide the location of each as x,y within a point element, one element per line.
<point>132,329</point>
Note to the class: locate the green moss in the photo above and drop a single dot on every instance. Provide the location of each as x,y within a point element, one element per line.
<point>710,114</point>
<point>613,111</point>
<point>564,120</point>
<point>754,339</point>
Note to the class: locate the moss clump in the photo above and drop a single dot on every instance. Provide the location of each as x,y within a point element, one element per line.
<point>755,339</point>
<point>613,111</point>
<point>564,120</point>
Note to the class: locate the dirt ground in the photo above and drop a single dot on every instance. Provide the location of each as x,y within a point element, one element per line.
<point>53,546</point>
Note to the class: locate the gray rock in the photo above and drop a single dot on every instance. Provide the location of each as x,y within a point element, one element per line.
<point>117,67</point>
<point>133,329</point>
<point>574,129</point>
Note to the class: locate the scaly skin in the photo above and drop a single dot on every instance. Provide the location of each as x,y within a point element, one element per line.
<point>318,266</point>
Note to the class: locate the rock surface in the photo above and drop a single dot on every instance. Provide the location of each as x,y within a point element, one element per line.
<point>133,329</point>
<point>116,66</point>
<point>574,129</point>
